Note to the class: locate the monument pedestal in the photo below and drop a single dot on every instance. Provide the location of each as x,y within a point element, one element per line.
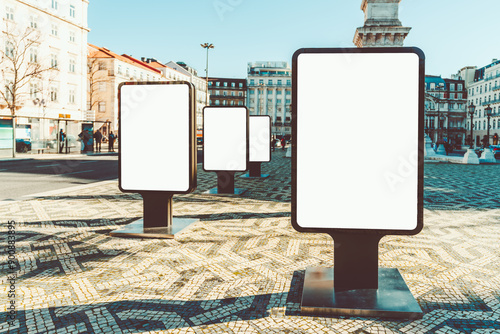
<point>470,157</point>
<point>487,156</point>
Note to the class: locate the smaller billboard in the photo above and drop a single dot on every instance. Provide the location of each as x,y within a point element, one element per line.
<point>260,138</point>
<point>225,139</point>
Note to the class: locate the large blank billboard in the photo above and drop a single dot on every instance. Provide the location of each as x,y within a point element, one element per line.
<point>260,138</point>
<point>157,138</point>
<point>358,140</point>
<point>225,138</point>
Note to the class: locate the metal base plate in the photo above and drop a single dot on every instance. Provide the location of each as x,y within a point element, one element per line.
<point>392,299</point>
<point>237,191</point>
<point>262,176</point>
<point>136,229</point>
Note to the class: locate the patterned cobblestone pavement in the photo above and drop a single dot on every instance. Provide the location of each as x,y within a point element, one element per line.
<point>240,268</point>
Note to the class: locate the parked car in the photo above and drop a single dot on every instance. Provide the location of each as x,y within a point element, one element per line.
<point>496,151</point>
<point>23,145</point>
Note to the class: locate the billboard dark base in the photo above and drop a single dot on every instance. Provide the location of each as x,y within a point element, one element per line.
<point>392,299</point>
<point>261,176</point>
<point>136,229</point>
<point>215,191</point>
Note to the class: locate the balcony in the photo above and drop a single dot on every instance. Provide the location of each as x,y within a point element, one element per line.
<point>490,102</point>
<point>269,85</point>
<point>492,77</point>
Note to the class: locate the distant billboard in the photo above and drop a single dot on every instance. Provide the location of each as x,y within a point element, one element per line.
<point>225,138</point>
<point>260,138</point>
<point>157,137</point>
<point>358,140</point>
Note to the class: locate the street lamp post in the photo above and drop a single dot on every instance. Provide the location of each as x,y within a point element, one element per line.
<point>470,156</point>
<point>488,155</point>
<point>472,108</point>
<point>440,149</point>
<point>207,46</point>
<point>488,115</point>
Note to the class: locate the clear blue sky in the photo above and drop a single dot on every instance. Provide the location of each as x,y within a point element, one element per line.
<point>452,33</point>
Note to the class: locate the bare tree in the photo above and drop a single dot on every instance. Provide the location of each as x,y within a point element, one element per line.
<point>95,76</point>
<point>19,64</point>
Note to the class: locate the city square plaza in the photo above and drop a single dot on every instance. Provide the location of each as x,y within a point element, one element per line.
<point>240,268</point>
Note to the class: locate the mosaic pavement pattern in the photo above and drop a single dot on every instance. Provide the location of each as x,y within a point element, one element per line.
<point>240,268</point>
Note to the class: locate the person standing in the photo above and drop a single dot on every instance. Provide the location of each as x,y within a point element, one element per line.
<point>111,138</point>
<point>62,137</point>
<point>87,139</point>
<point>273,143</point>
<point>98,139</point>
<point>283,143</point>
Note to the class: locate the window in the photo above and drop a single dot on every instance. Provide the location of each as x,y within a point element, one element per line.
<point>102,107</point>
<point>225,84</point>
<point>54,4</point>
<point>279,82</point>
<point>33,22</point>
<point>217,102</point>
<point>72,36</point>
<point>8,89</point>
<point>119,69</point>
<point>54,30</point>
<point>71,96</point>
<point>252,82</point>
<point>270,82</point>
<point>278,92</point>
<point>102,86</point>
<point>72,65</point>
<point>217,84</point>
<point>232,93</point>
<point>269,91</point>
<point>9,49</point>
<point>33,55</point>
<point>251,92</point>
<point>141,76</point>
<point>233,84</point>
<point>210,83</point>
<point>224,102</point>
<point>261,81</point>
<point>33,90</point>
<point>224,93</point>
<point>9,13</point>
<point>102,66</point>
<point>241,85</point>
<point>460,87</point>
<point>494,123</point>
<point>53,60</point>
<point>127,73</point>
<point>240,103</point>
<point>459,95</point>
<point>72,11</point>
<point>217,92</point>
<point>53,94</point>
<point>452,86</point>
<point>278,101</point>
<point>240,94</point>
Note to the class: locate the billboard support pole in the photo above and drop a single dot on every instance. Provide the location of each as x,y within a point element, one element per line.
<point>254,169</point>
<point>355,261</point>
<point>225,182</point>
<point>157,210</point>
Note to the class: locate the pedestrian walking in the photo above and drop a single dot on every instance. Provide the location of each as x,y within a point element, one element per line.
<point>87,140</point>
<point>98,139</point>
<point>111,138</point>
<point>273,144</point>
<point>62,137</point>
<point>283,143</point>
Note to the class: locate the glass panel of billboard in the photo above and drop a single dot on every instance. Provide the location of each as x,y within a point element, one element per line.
<point>225,135</point>
<point>155,137</point>
<point>357,140</point>
<point>260,138</point>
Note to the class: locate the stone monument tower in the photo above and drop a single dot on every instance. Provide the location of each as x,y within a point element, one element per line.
<point>382,27</point>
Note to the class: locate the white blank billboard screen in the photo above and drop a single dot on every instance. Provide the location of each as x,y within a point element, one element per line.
<point>357,140</point>
<point>225,139</point>
<point>155,137</point>
<point>260,138</point>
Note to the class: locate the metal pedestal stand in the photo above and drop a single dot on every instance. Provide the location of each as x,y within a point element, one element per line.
<point>158,221</point>
<point>254,171</point>
<point>356,286</point>
<point>225,184</point>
